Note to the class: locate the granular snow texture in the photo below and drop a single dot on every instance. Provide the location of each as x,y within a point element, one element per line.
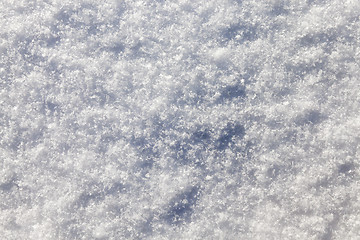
<point>183,119</point>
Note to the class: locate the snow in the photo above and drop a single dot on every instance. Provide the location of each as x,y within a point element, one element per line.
<point>124,119</point>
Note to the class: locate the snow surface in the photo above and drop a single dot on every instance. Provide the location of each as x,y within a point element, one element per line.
<point>155,119</point>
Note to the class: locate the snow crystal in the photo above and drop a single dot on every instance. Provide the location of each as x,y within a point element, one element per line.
<point>230,119</point>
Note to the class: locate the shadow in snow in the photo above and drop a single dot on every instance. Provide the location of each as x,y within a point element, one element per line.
<point>313,39</point>
<point>346,169</point>
<point>98,194</point>
<point>311,117</point>
<point>240,33</point>
<point>182,207</point>
<point>230,131</point>
<point>9,185</point>
<point>231,92</point>
<point>201,136</point>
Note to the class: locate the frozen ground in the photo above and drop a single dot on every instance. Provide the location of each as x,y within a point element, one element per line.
<point>206,119</point>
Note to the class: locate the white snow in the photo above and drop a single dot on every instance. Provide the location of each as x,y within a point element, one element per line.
<point>143,119</point>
